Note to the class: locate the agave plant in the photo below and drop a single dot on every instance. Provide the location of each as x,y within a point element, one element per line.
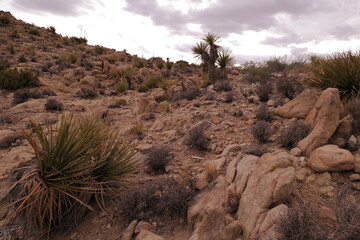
<point>340,70</point>
<point>77,160</point>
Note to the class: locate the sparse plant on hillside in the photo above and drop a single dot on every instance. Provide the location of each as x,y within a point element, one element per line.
<point>263,90</point>
<point>196,138</point>
<point>87,92</point>
<point>159,63</point>
<point>139,63</point>
<point>22,95</point>
<point>4,20</point>
<point>121,87</point>
<point>99,49</point>
<point>340,70</point>
<point>12,79</point>
<point>74,162</point>
<point>152,81</point>
<point>263,113</point>
<point>353,106</point>
<point>51,29</point>
<point>262,131</point>
<point>169,64</point>
<point>35,32</point>
<point>53,105</point>
<point>289,87</point>
<point>293,133</point>
<point>158,157</point>
<point>256,73</point>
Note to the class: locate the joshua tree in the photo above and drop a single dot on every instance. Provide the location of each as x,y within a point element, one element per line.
<point>225,60</point>
<point>208,52</point>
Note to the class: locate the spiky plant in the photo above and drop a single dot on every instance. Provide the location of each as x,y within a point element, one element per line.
<point>200,50</point>
<point>340,70</point>
<point>225,60</point>
<point>77,160</point>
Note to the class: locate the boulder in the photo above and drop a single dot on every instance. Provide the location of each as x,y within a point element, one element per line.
<point>271,182</point>
<point>231,148</point>
<point>323,119</point>
<point>344,129</point>
<point>243,170</point>
<point>129,231</point>
<point>299,107</point>
<point>146,235</point>
<point>268,226</point>
<point>331,158</point>
<point>231,170</point>
<point>145,105</point>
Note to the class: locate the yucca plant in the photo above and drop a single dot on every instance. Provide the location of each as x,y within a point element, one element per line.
<point>77,160</point>
<point>225,60</point>
<point>340,70</point>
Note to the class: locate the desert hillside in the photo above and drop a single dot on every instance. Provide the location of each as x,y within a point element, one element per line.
<point>252,152</point>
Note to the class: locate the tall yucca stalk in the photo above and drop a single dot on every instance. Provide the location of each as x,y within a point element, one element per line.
<point>340,70</point>
<point>77,160</point>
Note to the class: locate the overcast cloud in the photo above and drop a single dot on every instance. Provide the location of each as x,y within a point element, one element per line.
<point>254,29</point>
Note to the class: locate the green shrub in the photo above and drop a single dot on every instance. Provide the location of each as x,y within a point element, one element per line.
<point>72,58</point>
<point>159,63</point>
<point>99,49</point>
<point>143,89</point>
<point>340,70</point>
<point>51,29</point>
<point>169,64</point>
<point>121,87</point>
<point>76,40</point>
<point>12,79</point>
<point>152,81</point>
<point>255,74</point>
<point>35,32</point>
<point>4,20</point>
<point>139,63</point>
<point>182,63</point>
<point>78,160</point>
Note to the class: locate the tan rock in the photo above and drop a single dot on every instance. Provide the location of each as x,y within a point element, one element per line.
<point>271,181</point>
<point>146,235</point>
<point>129,231</point>
<point>272,217</point>
<point>323,119</point>
<point>14,158</point>
<point>145,105</point>
<point>231,148</point>
<point>344,129</point>
<point>231,170</point>
<point>331,158</point>
<point>243,170</point>
<point>357,163</point>
<point>300,106</point>
<point>142,225</point>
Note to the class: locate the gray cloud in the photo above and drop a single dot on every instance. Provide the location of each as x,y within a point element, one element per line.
<point>60,7</point>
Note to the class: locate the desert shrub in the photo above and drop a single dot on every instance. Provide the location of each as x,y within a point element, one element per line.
<point>121,102</point>
<point>158,157</point>
<point>14,34</point>
<point>48,92</point>
<point>159,63</point>
<point>276,64</point>
<point>353,106</point>
<point>34,31</point>
<point>22,95</point>
<point>138,129</point>
<point>289,87</point>
<point>126,73</point>
<point>121,87</point>
<point>182,64</point>
<point>293,133</point>
<point>222,86</point>
<point>99,49</point>
<point>86,64</point>
<point>262,131</point>
<point>196,138</point>
<point>169,64</point>
<point>139,63</point>
<point>279,101</point>
<point>166,83</point>
<point>152,81</point>
<point>263,90</point>
<point>228,97</point>
<point>72,58</point>
<point>188,94</point>
<point>143,89</point>
<point>340,70</point>
<point>263,113</point>
<point>81,159</point>
<point>4,20</point>
<point>238,113</point>
<point>87,93</point>
<point>255,74</point>
<point>51,29</point>
<point>12,79</point>
<point>46,67</point>
<point>9,140</point>
<point>161,197</point>
<point>76,40</point>
<point>53,104</point>
<point>22,59</point>
<point>258,149</point>
<point>165,106</point>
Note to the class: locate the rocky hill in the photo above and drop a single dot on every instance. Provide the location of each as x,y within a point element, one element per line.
<point>235,162</point>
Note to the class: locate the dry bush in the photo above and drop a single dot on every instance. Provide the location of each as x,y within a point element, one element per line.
<point>229,97</point>
<point>263,113</point>
<point>9,140</point>
<point>353,106</point>
<point>196,138</point>
<point>53,105</point>
<point>224,86</point>
<point>188,94</point>
<point>289,87</point>
<point>48,92</point>
<point>22,95</point>
<point>163,196</point>
<point>22,59</point>
<point>211,172</point>
<point>262,131</point>
<point>87,93</point>
<point>158,157</point>
<point>263,90</point>
<point>238,113</point>
<point>293,133</point>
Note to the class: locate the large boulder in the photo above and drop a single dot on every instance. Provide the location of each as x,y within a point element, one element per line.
<point>331,158</point>
<point>323,119</point>
<point>243,170</point>
<point>145,105</point>
<point>271,182</point>
<point>268,228</point>
<point>299,107</point>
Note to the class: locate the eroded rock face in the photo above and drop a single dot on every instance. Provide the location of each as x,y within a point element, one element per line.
<point>268,227</point>
<point>299,107</point>
<point>243,170</point>
<point>323,119</point>
<point>331,158</point>
<point>271,182</point>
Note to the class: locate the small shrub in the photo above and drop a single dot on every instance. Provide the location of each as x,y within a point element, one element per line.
<point>262,131</point>
<point>276,64</point>
<point>72,58</point>
<point>165,106</point>
<point>289,87</point>
<point>353,106</point>
<point>263,90</point>
<point>158,157</point>
<point>34,32</point>
<point>188,94</point>
<point>22,95</point>
<point>52,29</point>
<point>238,113</point>
<point>340,70</point>
<point>138,129</point>
<point>76,40</point>
<point>263,113</point>
<point>53,105</point>
<point>169,64</point>
<point>9,140</point>
<point>4,20</point>
<point>121,87</point>
<point>139,63</point>
<point>159,63</point>
<point>12,79</point>
<point>196,138</point>
<point>121,102</point>
<point>99,49</point>
<point>152,81</point>
<point>166,83</point>
<point>161,197</point>
<point>211,172</point>
<point>143,89</point>
<point>22,59</point>
<point>222,86</point>
<point>293,133</point>
<point>229,97</point>
<point>182,64</point>
<point>87,93</point>
<point>255,74</point>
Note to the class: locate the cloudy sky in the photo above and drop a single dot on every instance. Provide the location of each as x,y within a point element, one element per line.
<point>253,29</point>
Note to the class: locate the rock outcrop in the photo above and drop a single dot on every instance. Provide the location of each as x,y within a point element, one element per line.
<point>299,107</point>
